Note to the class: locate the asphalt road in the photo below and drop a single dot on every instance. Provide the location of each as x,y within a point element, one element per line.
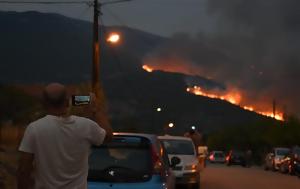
<point>237,177</point>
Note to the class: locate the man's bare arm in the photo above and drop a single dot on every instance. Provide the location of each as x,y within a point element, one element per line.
<point>98,118</point>
<point>25,169</point>
<point>105,126</point>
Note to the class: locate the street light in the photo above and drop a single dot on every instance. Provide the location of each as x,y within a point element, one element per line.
<point>158,109</point>
<point>193,127</point>
<point>171,125</point>
<point>113,38</point>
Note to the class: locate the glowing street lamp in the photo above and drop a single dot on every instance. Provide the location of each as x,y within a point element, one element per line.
<point>113,38</point>
<point>158,109</point>
<point>193,127</point>
<point>171,125</point>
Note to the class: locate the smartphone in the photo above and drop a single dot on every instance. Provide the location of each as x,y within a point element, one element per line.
<point>79,100</point>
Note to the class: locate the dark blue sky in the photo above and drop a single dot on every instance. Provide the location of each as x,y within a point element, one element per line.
<point>163,17</point>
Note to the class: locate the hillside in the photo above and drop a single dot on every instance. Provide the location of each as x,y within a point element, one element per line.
<point>37,48</point>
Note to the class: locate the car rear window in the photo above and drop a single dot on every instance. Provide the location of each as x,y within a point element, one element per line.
<point>297,151</point>
<point>282,152</point>
<point>125,159</point>
<point>180,147</point>
<point>219,154</point>
<point>237,153</point>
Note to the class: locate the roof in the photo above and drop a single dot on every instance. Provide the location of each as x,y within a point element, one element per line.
<point>281,148</point>
<point>169,137</point>
<point>217,151</point>
<point>151,137</point>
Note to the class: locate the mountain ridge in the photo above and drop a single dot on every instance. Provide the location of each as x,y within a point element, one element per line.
<point>41,48</point>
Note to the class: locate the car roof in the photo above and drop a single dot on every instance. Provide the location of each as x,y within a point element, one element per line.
<point>169,137</point>
<point>217,151</point>
<point>151,137</point>
<point>281,148</point>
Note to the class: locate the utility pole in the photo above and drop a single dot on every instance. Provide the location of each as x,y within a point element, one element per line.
<point>96,50</point>
<point>96,45</point>
<point>96,85</point>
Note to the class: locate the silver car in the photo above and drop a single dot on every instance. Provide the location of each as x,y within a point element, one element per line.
<point>274,158</point>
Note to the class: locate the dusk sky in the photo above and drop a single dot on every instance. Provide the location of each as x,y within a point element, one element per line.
<point>252,45</point>
<point>163,17</point>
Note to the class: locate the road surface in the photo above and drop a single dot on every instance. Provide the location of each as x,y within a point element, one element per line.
<point>237,177</point>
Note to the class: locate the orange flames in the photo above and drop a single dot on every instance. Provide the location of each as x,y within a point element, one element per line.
<point>235,98</point>
<point>147,68</point>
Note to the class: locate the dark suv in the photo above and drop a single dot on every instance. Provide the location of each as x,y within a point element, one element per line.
<point>235,157</point>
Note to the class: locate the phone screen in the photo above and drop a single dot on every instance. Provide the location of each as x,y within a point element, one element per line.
<point>78,100</point>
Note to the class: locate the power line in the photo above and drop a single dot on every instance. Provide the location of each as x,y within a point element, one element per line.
<point>114,2</point>
<point>80,15</point>
<point>117,18</point>
<point>64,2</point>
<point>45,2</point>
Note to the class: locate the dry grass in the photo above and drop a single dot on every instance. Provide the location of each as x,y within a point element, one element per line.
<point>10,137</point>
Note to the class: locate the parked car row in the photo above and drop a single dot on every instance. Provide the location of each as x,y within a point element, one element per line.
<point>233,157</point>
<point>145,161</point>
<point>284,160</point>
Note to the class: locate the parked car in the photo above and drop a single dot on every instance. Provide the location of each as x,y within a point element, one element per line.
<point>291,162</point>
<point>132,161</point>
<point>187,172</point>
<point>274,158</point>
<point>217,157</point>
<point>235,157</point>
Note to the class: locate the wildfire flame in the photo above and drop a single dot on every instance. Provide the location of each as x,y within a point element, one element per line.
<point>147,68</point>
<point>233,98</point>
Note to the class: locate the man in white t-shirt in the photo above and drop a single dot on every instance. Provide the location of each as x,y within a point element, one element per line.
<point>55,148</point>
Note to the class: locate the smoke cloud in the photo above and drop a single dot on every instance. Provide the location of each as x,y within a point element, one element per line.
<point>255,47</point>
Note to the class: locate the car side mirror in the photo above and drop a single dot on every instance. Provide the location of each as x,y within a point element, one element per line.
<point>175,161</point>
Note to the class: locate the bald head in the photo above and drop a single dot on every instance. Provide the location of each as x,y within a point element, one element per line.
<point>55,95</point>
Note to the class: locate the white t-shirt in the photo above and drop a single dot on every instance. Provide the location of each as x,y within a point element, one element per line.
<point>61,147</point>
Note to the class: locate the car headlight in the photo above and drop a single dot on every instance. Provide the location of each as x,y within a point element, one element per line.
<point>191,167</point>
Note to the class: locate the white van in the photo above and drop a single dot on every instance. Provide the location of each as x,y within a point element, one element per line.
<point>187,171</point>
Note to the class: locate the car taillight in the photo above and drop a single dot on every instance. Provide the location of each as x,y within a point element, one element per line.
<point>227,158</point>
<point>157,165</point>
<point>191,168</point>
<point>211,157</point>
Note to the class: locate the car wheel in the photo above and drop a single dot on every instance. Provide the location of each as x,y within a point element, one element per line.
<point>195,186</point>
<point>282,169</point>
<point>266,168</point>
<point>273,167</point>
<point>290,170</point>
